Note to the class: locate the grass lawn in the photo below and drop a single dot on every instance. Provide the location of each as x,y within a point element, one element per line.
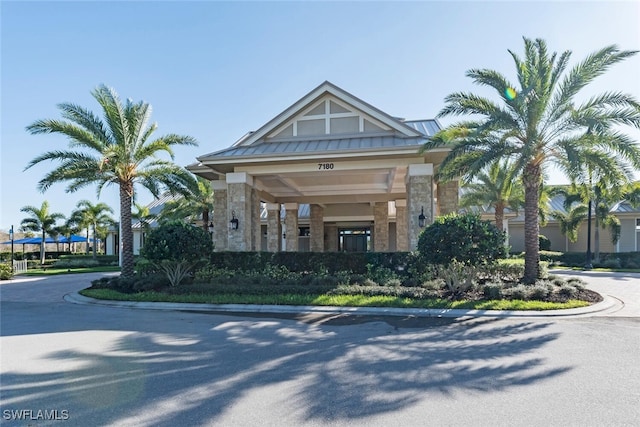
<point>331,300</point>
<point>55,271</point>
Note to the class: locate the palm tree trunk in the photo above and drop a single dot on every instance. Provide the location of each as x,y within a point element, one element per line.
<point>94,241</point>
<point>126,195</point>
<point>42,248</point>
<point>531,178</point>
<point>596,240</point>
<point>500,216</point>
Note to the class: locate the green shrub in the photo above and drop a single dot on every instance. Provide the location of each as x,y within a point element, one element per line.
<point>611,263</point>
<point>567,290</point>
<point>516,292</point>
<point>550,256</point>
<point>492,291</point>
<point>76,263</point>
<point>465,238</point>
<point>6,271</point>
<point>458,277</point>
<point>631,265</point>
<point>539,291</point>
<point>176,248</point>
<point>544,243</point>
<point>83,260</point>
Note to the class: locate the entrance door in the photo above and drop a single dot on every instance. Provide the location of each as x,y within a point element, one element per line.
<point>355,240</point>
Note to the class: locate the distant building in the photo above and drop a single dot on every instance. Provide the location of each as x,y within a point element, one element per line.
<point>629,234</point>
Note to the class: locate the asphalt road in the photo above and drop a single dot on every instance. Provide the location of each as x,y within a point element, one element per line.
<point>95,366</point>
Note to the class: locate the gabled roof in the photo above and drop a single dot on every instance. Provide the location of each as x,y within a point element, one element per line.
<point>320,91</point>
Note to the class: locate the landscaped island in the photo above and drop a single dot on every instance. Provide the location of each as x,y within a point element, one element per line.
<point>472,279</point>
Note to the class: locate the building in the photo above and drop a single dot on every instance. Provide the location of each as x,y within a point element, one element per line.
<point>353,168</point>
<point>629,240</point>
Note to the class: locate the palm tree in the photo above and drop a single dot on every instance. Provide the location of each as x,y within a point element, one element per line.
<point>496,187</point>
<point>68,229</point>
<point>40,220</point>
<point>115,150</point>
<point>571,220</point>
<point>144,215</point>
<point>537,123</point>
<point>195,203</point>
<point>79,221</point>
<point>97,216</point>
<point>575,212</point>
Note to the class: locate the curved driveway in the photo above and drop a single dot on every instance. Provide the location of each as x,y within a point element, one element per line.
<point>97,365</point>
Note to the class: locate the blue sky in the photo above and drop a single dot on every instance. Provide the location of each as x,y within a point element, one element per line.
<point>215,70</point>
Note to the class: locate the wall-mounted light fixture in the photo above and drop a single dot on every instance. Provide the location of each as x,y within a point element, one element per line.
<point>210,227</point>
<point>421,218</point>
<point>234,223</point>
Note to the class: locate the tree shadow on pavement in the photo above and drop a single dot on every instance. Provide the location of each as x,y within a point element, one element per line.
<point>170,368</point>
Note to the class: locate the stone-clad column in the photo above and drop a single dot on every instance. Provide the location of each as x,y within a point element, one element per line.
<point>331,230</point>
<point>220,224</point>
<point>256,228</point>
<point>381,227</point>
<point>447,197</point>
<point>316,228</point>
<point>274,228</point>
<point>419,182</point>
<point>402,235</point>
<point>239,203</point>
<point>291,224</point>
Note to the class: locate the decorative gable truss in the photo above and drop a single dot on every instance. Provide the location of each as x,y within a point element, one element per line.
<point>327,117</point>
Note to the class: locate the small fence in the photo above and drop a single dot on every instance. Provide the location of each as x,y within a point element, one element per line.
<point>19,266</point>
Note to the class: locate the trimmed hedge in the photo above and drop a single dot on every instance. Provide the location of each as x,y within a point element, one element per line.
<point>307,262</point>
<point>630,260</point>
<point>78,261</point>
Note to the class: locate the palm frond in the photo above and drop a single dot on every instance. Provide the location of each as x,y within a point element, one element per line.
<point>87,120</point>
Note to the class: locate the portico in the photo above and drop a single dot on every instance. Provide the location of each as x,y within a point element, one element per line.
<point>355,170</point>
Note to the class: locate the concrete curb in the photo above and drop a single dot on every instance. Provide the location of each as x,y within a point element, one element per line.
<point>606,304</point>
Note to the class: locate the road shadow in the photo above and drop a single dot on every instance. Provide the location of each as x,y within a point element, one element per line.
<point>170,368</point>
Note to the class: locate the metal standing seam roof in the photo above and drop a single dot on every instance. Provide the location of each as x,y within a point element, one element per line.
<point>425,127</point>
<point>155,207</point>
<point>348,143</point>
<point>314,146</point>
<point>625,207</point>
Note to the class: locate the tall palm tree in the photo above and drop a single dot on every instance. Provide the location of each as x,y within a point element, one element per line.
<point>40,221</point>
<point>116,149</point>
<point>195,203</point>
<point>495,187</point>
<point>536,123</point>
<point>97,216</point>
